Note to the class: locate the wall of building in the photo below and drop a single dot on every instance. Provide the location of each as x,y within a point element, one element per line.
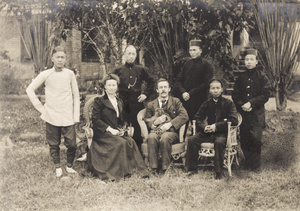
<point>10,41</point>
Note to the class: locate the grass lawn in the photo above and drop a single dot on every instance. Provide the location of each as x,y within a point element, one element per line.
<point>28,179</point>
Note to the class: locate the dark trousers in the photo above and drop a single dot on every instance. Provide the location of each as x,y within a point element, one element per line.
<point>161,145</point>
<point>131,111</point>
<point>251,145</point>
<point>194,144</point>
<point>53,136</point>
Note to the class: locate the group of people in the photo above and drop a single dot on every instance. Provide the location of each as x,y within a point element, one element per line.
<point>114,154</point>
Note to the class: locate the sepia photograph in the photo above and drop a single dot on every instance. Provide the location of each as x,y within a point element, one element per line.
<point>152,105</point>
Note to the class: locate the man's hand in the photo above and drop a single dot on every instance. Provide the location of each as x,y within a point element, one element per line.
<point>166,126</point>
<point>210,128</point>
<point>186,96</point>
<point>160,119</point>
<point>141,98</point>
<point>247,107</point>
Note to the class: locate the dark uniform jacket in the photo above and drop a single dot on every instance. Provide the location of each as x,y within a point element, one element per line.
<point>174,109</point>
<point>131,78</point>
<point>252,86</point>
<point>219,113</point>
<point>194,79</point>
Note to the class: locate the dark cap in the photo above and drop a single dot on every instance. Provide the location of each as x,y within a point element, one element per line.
<point>218,80</point>
<point>250,51</point>
<point>195,43</point>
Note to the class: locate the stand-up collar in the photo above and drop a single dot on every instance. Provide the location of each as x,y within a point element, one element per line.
<point>129,64</point>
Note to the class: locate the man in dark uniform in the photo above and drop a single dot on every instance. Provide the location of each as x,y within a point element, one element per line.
<point>192,83</point>
<point>211,120</point>
<point>251,92</point>
<point>131,79</point>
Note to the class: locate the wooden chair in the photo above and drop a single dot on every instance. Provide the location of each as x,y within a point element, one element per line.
<point>178,150</point>
<point>231,155</point>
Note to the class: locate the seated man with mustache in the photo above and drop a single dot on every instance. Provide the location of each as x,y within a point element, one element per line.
<point>161,143</point>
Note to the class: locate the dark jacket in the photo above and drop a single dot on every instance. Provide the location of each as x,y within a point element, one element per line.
<point>131,79</point>
<point>104,115</point>
<point>194,79</point>
<point>252,86</point>
<point>219,113</point>
<point>174,109</point>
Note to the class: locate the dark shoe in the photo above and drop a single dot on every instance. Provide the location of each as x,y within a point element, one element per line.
<point>191,173</point>
<point>255,169</point>
<point>154,172</point>
<point>127,176</point>
<point>245,167</point>
<point>218,176</point>
<point>145,176</point>
<point>163,171</point>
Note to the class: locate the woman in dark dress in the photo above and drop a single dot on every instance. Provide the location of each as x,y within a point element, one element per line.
<point>113,154</point>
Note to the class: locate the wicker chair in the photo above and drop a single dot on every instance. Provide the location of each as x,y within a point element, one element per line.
<point>178,150</point>
<point>231,155</point>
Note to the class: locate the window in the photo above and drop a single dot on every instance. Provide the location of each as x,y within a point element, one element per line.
<point>88,52</point>
<point>25,50</point>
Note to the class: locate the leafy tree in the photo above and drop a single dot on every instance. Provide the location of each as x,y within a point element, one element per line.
<point>162,28</point>
<point>169,25</point>
<point>37,34</point>
<point>280,36</point>
<point>213,21</point>
<point>104,24</point>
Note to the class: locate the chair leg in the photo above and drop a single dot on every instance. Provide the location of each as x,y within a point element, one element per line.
<point>229,163</point>
<point>205,163</point>
<point>183,161</point>
<point>236,159</point>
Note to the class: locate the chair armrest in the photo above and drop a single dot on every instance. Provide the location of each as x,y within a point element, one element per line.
<point>181,133</point>
<point>89,133</point>
<point>142,123</point>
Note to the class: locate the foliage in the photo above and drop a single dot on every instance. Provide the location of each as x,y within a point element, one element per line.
<point>213,22</point>
<point>38,35</point>
<point>280,35</point>
<point>161,28</point>
<point>102,23</point>
<point>9,84</point>
<point>169,25</point>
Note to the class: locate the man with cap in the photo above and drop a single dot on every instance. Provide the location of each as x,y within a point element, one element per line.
<point>251,92</point>
<point>192,82</point>
<point>131,79</point>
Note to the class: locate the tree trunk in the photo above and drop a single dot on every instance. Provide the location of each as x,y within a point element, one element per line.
<point>281,97</point>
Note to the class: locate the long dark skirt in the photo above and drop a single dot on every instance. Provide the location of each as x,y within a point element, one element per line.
<point>114,157</point>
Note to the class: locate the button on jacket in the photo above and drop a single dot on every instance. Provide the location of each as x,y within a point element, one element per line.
<point>252,86</point>
<point>131,79</point>
<point>194,79</point>
<point>218,113</point>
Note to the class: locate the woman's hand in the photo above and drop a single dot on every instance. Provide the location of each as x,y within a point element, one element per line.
<point>113,131</point>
